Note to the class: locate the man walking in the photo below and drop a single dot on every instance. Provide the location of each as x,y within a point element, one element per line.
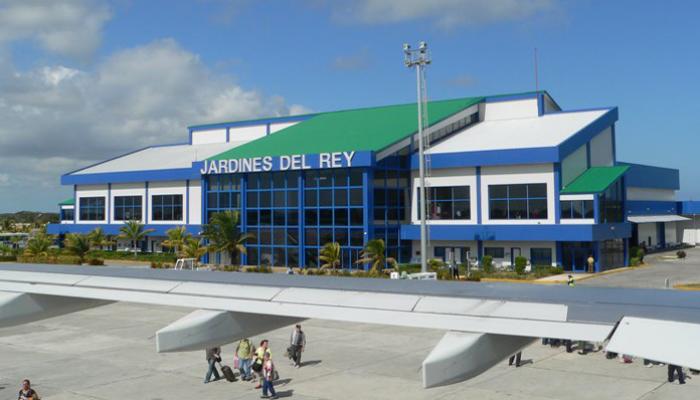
<point>591,264</point>
<point>244,352</point>
<point>213,356</point>
<point>297,342</point>
<point>672,369</point>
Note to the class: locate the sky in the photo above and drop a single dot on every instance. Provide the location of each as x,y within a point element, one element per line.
<point>85,80</point>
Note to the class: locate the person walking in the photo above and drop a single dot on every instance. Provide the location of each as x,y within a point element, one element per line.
<point>297,342</point>
<point>244,352</point>
<point>570,281</point>
<point>260,353</point>
<point>268,374</point>
<point>515,357</point>
<point>672,369</point>
<point>213,356</point>
<point>591,264</point>
<point>26,392</point>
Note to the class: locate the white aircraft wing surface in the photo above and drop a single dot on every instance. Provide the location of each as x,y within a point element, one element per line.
<point>485,322</point>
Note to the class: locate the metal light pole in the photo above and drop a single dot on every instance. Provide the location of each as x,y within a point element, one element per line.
<point>420,59</point>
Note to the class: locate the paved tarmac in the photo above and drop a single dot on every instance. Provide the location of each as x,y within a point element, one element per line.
<point>109,353</point>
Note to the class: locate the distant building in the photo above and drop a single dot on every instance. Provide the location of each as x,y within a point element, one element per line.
<point>509,175</point>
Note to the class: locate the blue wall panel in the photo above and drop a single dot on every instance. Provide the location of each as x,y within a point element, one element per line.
<point>583,233</point>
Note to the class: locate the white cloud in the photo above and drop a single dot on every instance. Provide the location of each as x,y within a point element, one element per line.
<point>444,13</point>
<point>56,119</point>
<point>353,62</point>
<point>71,28</point>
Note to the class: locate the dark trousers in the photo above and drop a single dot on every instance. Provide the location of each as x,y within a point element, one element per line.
<point>296,354</point>
<point>672,369</point>
<point>516,358</point>
<point>569,346</point>
<point>267,386</point>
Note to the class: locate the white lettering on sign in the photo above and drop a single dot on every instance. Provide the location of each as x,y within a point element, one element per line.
<point>264,164</point>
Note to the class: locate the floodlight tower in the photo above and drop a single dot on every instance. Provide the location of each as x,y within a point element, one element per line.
<point>420,59</point>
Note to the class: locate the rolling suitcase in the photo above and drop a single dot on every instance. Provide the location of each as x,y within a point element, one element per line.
<point>228,373</point>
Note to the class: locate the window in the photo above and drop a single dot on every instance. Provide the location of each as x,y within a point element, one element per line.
<point>611,204</point>
<point>92,208</point>
<point>449,202</point>
<point>576,209</point>
<point>127,208</point>
<point>67,214</point>
<point>540,256</point>
<point>524,201</point>
<point>166,207</point>
<point>494,252</point>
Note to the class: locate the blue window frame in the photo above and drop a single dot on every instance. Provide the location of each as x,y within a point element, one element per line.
<point>223,194</point>
<point>92,208</point>
<point>391,193</point>
<point>333,212</point>
<point>166,207</point>
<point>521,201</point>
<point>128,208</point>
<point>576,209</point>
<point>447,202</point>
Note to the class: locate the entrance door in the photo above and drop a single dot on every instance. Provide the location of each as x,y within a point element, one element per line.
<point>575,255</point>
<point>514,253</point>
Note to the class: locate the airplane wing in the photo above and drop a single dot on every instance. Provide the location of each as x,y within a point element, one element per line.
<point>485,322</point>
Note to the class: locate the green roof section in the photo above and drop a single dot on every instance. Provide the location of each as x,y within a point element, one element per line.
<point>67,202</point>
<point>365,129</point>
<point>595,180</point>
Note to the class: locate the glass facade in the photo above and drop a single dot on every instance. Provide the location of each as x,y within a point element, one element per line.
<point>293,214</point>
<point>447,202</point>
<point>522,201</point>
<point>127,208</point>
<point>166,207</point>
<point>92,208</point>
<point>611,204</point>
<point>494,252</point>
<point>391,183</point>
<point>577,209</point>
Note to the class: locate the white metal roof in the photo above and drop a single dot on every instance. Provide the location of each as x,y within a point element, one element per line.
<point>640,219</point>
<point>546,131</point>
<point>156,158</point>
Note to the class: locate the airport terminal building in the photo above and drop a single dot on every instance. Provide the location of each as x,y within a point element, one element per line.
<point>508,175</point>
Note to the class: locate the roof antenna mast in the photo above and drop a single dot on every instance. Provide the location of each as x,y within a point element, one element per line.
<point>420,58</point>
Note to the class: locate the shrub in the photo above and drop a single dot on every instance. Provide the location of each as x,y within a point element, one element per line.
<point>8,258</point>
<point>487,264</point>
<point>680,254</point>
<point>640,254</point>
<point>634,261</point>
<point>96,261</point>
<point>541,271</point>
<point>474,276</point>
<point>520,264</point>
<point>126,255</point>
<point>261,269</point>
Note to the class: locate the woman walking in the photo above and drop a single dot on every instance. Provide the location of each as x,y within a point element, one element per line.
<point>268,377</point>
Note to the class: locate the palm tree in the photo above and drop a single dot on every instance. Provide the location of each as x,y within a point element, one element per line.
<point>193,248</point>
<point>177,237</point>
<point>374,253</point>
<point>133,231</point>
<point>78,245</point>
<point>5,249</point>
<point>224,234</point>
<point>330,255</point>
<point>38,245</point>
<point>98,239</point>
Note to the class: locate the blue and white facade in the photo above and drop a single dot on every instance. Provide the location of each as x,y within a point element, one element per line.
<point>495,185</point>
